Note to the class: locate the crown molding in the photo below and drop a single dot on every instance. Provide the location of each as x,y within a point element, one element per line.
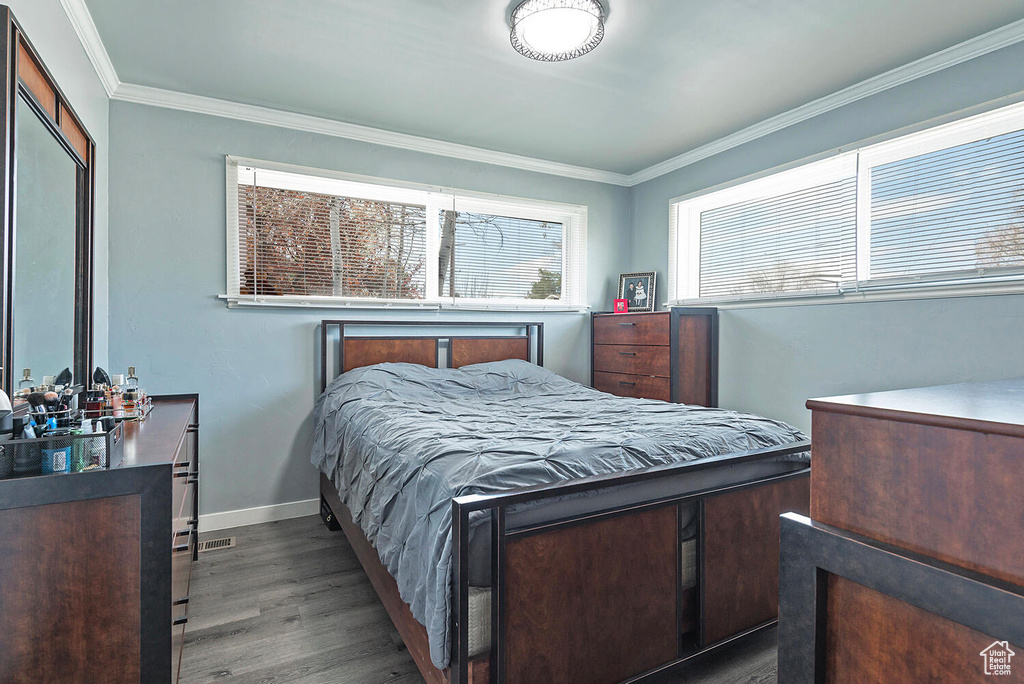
<point>128,92</point>
<point>957,54</point>
<point>81,21</point>
<point>83,24</point>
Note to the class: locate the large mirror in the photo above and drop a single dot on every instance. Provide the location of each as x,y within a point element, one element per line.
<point>47,229</point>
<point>45,179</point>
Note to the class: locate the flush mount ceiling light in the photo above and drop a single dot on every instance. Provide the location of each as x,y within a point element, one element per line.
<point>557,30</point>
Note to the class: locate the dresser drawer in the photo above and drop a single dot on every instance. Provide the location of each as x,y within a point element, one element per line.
<point>182,490</point>
<point>639,386</point>
<point>632,329</point>
<point>636,360</point>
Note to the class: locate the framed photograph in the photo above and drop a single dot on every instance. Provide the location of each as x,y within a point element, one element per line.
<point>621,306</point>
<point>638,290</point>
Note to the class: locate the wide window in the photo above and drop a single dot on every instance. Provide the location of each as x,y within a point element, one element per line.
<point>299,237</point>
<point>943,208</point>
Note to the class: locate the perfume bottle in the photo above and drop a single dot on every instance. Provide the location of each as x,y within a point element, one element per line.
<point>132,381</point>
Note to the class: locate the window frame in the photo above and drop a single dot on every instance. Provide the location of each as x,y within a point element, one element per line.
<point>572,217</point>
<point>684,222</point>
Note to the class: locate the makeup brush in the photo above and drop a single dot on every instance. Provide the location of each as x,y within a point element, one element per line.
<point>52,400</point>
<point>101,377</point>
<point>64,378</point>
<point>38,401</point>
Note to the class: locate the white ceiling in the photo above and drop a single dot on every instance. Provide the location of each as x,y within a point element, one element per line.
<point>670,76</point>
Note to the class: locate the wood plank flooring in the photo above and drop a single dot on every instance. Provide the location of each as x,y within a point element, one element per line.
<point>291,604</point>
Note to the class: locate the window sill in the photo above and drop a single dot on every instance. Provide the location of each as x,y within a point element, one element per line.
<point>945,290</point>
<point>292,302</point>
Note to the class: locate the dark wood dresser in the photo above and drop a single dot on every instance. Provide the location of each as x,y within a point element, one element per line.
<point>666,355</point>
<point>911,566</point>
<point>95,566</point>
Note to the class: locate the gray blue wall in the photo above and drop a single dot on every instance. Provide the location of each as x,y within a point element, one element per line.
<point>47,26</point>
<point>255,368</point>
<point>773,359</point>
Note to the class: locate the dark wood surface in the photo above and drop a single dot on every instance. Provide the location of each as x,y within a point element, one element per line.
<point>642,328</point>
<point>74,133</point>
<point>740,558</point>
<point>696,361</point>
<point>680,345</point>
<point>290,603</point>
<point>633,359</point>
<point>469,350</point>
<point>876,639</point>
<point>61,619</point>
<point>366,351</point>
<point>36,82</point>
<point>947,493</point>
<point>88,542</point>
<point>995,407</point>
<point>158,439</point>
<point>639,386</point>
<point>913,562</point>
<point>575,612</point>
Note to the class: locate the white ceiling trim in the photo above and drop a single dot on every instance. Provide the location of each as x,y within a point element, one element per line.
<point>170,99</point>
<point>957,54</point>
<point>81,21</point>
<point>89,36</point>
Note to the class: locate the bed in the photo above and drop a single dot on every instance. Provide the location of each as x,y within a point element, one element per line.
<point>520,527</point>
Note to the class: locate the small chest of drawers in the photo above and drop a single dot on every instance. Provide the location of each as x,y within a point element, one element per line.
<point>666,355</point>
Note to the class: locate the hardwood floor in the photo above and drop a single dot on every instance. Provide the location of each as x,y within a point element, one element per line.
<point>290,603</point>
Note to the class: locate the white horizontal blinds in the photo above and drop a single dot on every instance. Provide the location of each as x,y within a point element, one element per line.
<point>795,241</point>
<point>958,209</point>
<point>306,235</point>
<point>488,252</point>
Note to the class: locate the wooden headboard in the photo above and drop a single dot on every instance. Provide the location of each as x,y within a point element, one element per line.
<point>355,350</point>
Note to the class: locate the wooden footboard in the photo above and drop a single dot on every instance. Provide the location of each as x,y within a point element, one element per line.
<point>600,598</point>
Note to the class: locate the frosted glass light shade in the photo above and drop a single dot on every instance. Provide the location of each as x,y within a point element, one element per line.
<point>557,30</point>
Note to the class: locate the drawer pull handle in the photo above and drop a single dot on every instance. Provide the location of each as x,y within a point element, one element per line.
<point>183,533</point>
<point>624,382</point>
<point>183,464</point>
<point>179,621</point>
<point>181,473</point>
<point>181,602</point>
<point>193,480</point>
<point>181,548</point>
<point>628,353</point>
<point>628,324</point>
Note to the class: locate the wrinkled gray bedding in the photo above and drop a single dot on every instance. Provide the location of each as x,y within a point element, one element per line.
<point>399,441</point>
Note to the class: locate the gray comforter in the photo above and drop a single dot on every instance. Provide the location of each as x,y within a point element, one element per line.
<point>400,441</point>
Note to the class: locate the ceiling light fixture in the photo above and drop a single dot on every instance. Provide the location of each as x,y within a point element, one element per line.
<point>557,30</point>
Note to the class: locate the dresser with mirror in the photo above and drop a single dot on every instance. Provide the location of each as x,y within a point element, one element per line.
<point>95,566</point>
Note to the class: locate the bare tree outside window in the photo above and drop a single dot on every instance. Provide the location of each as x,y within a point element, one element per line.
<point>302,243</point>
<point>1003,247</point>
<point>489,256</point>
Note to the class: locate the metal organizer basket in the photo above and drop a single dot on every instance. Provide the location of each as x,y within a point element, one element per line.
<point>61,453</point>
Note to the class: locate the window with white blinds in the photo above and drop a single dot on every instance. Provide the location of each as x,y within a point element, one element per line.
<point>298,237</point>
<point>960,209</point>
<point>943,208</point>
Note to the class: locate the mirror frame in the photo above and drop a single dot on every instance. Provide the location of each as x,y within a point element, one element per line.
<point>26,76</point>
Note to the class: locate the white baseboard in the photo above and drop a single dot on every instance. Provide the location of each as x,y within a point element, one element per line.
<point>259,514</point>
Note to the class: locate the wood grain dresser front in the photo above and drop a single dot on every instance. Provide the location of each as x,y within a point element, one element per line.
<point>912,564</point>
<point>95,566</point>
<point>664,355</point>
